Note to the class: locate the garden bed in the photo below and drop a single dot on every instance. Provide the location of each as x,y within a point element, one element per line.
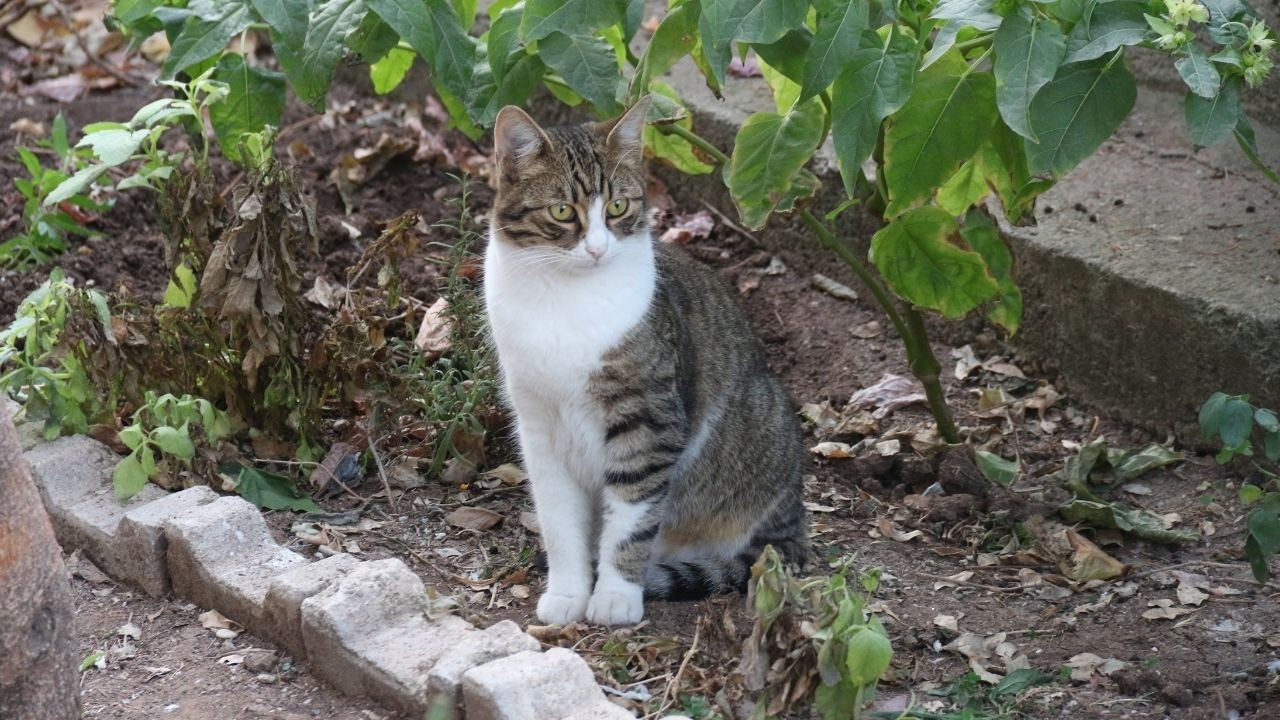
<point>955,575</point>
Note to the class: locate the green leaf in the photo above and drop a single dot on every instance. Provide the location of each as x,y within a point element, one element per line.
<point>969,13</point>
<point>182,287</point>
<point>207,32</point>
<point>389,72</point>
<point>114,146</point>
<point>964,189</point>
<point>543,17</point>
<point>1018,681</point>
<point>466,10</point>
<point>1140,523</point>
<point>1263,539</point>
<point>174,441</point>
<point>1213,120</point>
<point>433,29</point>
<point>90,660</point>
<point>1129,464</point>
<point>769,150</point>
<point>1237,422</point>
<point>255,99</point>
<point>915,255</point>
<point>785,90</point>
<point>872,86</point>
<point>1077,111</point>
<point>933,133</point>
<point>675,37</point>
<point>1247,143</point>
<point>1198,73</point>
<point>984,237</point>
<point>1211,414</point>
<point>719,24</point>
<point>673,149</point>
<point>769,20</point>
<point>514,89</point>
<point>268,490</point>
<point>587,64</point>
<point>835,44</point>
<point>1028,52</point>
<point>128,478</point>
<point>131,437</point>
<point>504,35</point>
<point>1271,445</point>
<point>868,656</point>
<point>74,185</point>
<point>372,39</point>
<point>1112,24</point>
<point>1250,494</point>
<point>288,21</point>
<point>997,469</point>
<point>322,47</point>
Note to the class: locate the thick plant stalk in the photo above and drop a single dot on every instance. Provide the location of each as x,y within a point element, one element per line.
<point>908,322</point>
<point>38,674</point>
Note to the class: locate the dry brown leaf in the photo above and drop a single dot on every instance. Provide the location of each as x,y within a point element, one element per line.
<point>1084,665</point>
<point>324,293</point>
<point>433,334</point>
<point>834,288</point>
<point>28,29</point>
<point>507,473</point>
<point>832,450</point>
<point>966,361</point>
<point>947,622</point>
<point>867,330</point>
<point>954,581</point>
<point>214,620</point>
<point>890,393</point>
<point>822,415</point>
<point>1163,609</point>
<point>1088,561</point>
<point>473,518</point>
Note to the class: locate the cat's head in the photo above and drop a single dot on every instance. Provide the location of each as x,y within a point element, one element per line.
<point>574,195</point>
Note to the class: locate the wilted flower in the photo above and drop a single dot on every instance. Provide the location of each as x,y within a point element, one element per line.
<point>1260,37</point>
<point>1185,11</point>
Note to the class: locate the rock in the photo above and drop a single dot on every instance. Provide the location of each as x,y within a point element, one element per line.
<point>282,611</point>
<point>531,686</point>
<point>74,477</point>
<point>30,434</point>
<point>605,710</point>
<point>260,662</point>
<point>221,556</point>
<point>141,543</point>
<point>497,641</point>
<point>369,634</point>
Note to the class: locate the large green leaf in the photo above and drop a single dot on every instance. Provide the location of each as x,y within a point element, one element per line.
<point>387,73</point>
<point>673,149</point>
<point>769,20</point>
<point>984,237</point>
<point>268,490</point>
<point>674,38</point>
<point>1077,111</point>
<point>129,477</point>
<point>372,39</point>
<point>839,33</point>
<point>514,88</point>
<point>543,17</point>
<point>433,29</point>
<point>873,85</point>
<point>973,13</point>
<point>769,151</point>
<point>207,32</point>
<point>587,64</point>
<point>915,255</point>
<point>964,189</point>
<point>934,132</point>
<point>503,39</point>
<point>255,99</point>
<point>1028,52</point>
<point>288,22</point>
<point>322,47</point>
<point>1112,24</point>
<point>1212,121</point>
<point>719,24</point>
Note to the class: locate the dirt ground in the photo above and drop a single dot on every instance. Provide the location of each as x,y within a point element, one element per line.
<point>960,573</point>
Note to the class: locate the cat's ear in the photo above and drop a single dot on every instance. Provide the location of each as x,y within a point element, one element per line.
<point>626,137</point>
<point>516,138</point>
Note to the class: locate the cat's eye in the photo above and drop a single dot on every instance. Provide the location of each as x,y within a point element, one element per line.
<point>617,207</point>
<point>561,211</point>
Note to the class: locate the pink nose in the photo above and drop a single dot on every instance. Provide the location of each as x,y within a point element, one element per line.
<point>595,252</point>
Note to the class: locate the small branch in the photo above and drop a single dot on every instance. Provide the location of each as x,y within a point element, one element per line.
<point>672,692</point>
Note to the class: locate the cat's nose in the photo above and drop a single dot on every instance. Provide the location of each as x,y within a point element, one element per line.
<point>595,252</point>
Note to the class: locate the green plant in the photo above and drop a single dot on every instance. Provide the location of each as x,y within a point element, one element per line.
<point>1236,423</point>
<point>818,625</point>
<point>45,229</point>
<point>163,439</point>
<point>952,101</point>
<point>45,359</point>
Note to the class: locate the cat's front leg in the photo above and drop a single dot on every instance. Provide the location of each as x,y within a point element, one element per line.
<point>563,507</point>
<point>632,516</point>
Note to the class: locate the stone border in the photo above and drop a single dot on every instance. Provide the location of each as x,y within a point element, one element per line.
<point>362,625</point>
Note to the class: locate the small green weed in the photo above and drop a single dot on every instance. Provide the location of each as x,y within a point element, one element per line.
<point>163,438</point>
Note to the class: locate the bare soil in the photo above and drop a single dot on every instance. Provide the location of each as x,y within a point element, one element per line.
<point>1205,664</point>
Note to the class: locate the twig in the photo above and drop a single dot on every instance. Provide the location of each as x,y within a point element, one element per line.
<point>966,583</point>
<point>730,223</point>
<point>382,473</point>
<point>483,496</point>
<point>671,692</point>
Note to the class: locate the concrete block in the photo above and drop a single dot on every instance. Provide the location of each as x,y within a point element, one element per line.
<point>531,686</point>
<point>282,611</point>
<point>369,634</point>
<point>221,556</point>
<point>496,641</point>
<point>140,540</point>
<point>30,434</point>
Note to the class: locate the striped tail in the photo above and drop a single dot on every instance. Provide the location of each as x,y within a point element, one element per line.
<point>696,578</point>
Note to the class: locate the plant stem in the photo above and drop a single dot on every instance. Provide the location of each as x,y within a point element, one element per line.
<point>908,322</point>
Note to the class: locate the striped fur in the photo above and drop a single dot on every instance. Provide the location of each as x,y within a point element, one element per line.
<point>663,454</point>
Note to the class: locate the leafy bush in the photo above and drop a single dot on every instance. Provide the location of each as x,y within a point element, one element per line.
<point>952,101</point>
<point>1236,423</point>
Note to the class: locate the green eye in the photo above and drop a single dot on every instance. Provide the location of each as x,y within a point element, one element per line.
<point>617,207</point>
<point>562,212</point>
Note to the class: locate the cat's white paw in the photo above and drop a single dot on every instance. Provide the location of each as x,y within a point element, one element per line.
<point>614,607</point>
<point>561,609</point>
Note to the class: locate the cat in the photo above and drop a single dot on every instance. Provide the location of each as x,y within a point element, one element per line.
<point>658,443</point>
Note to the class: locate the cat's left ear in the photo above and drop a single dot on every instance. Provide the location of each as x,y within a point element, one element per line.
<point>626,137</point>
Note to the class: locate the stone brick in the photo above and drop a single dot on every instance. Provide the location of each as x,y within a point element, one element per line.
<point>282,611</point>
<point>221,556</point>
<point>496,641</point>
<point>74,477</point>
<point>369,634</point>
<point>532,686</point>
<point>30,434</point>
<point>140,540</point>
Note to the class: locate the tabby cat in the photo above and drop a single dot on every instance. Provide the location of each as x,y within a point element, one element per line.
<point>662,452</point>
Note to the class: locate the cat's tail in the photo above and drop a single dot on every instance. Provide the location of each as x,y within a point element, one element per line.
<point>696,578</point>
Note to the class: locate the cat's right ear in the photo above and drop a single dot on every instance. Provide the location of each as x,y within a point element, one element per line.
<point>516,139</point>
